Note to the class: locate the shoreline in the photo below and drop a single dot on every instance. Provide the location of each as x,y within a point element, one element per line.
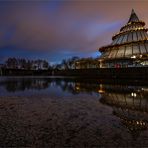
<point>136,82</point>
<point>52,122</point>
<point>130,73</point>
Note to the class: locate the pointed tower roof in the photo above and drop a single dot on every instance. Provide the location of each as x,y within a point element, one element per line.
<point>133,17</point>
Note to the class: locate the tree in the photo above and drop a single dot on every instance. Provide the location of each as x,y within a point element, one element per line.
<point>22,64</point>
<point>12,63</point>
<point>69,63</point>
<point>73,61</point>
<point>45,64</point>
<point>64,64</point>
<point>29,65</point>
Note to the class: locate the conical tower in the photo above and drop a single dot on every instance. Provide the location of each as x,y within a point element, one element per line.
<point>129,47</point>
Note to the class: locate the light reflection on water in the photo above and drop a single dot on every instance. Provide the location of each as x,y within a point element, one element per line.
<point>46,86</point>
<point>129,103</point>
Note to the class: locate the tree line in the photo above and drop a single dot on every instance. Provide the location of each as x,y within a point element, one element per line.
<point>20,63</point>
<point>70,63</point>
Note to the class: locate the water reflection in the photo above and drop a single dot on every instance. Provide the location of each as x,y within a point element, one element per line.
<point>22,84</point>
<point>130,104</point>
<point>72,86</point>
<point>126,101</point>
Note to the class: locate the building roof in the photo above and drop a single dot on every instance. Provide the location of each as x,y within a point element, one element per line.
<point>132,39</point>
<point>133,17</point>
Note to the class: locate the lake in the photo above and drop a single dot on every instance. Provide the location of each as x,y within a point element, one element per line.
<point>72,112</point>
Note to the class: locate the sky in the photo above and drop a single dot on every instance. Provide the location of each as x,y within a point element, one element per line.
<point>59,29</point>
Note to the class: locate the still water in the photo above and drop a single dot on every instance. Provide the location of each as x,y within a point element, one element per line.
<point>69,112</point>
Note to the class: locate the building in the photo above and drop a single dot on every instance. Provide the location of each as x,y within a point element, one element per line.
<point>86,63</point>
<point>129,47</point>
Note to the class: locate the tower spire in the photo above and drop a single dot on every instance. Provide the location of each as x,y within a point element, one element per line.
<point>132,11</point>
<point>133,17</point>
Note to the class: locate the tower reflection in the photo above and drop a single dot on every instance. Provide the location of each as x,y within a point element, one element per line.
<point>130,104</point>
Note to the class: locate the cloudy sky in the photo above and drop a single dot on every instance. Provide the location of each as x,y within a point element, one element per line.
<point>58,29</point>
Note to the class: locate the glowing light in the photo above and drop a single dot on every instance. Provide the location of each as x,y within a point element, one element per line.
<point>77,88</point>
<point>133,94</point>
<point>133,57</point>
<point>101,91</point>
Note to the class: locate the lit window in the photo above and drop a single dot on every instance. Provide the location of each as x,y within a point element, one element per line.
<point>135,49</point>
<point>128,50</point>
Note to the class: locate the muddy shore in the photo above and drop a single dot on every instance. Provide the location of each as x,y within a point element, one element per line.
<point>41,121</point>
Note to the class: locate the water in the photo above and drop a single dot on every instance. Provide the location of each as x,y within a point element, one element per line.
<point>69,112</point>
<point>58,87</point>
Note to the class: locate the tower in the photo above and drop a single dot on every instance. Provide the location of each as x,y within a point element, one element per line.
<point>129,47</point>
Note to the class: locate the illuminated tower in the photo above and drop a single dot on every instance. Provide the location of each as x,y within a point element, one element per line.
<point>129,47</point>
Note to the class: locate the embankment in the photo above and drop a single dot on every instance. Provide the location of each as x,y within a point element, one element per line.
<point>103,73</point>
<point>107,73</point>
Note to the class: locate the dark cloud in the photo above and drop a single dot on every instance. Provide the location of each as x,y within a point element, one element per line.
<point>48,29</point>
